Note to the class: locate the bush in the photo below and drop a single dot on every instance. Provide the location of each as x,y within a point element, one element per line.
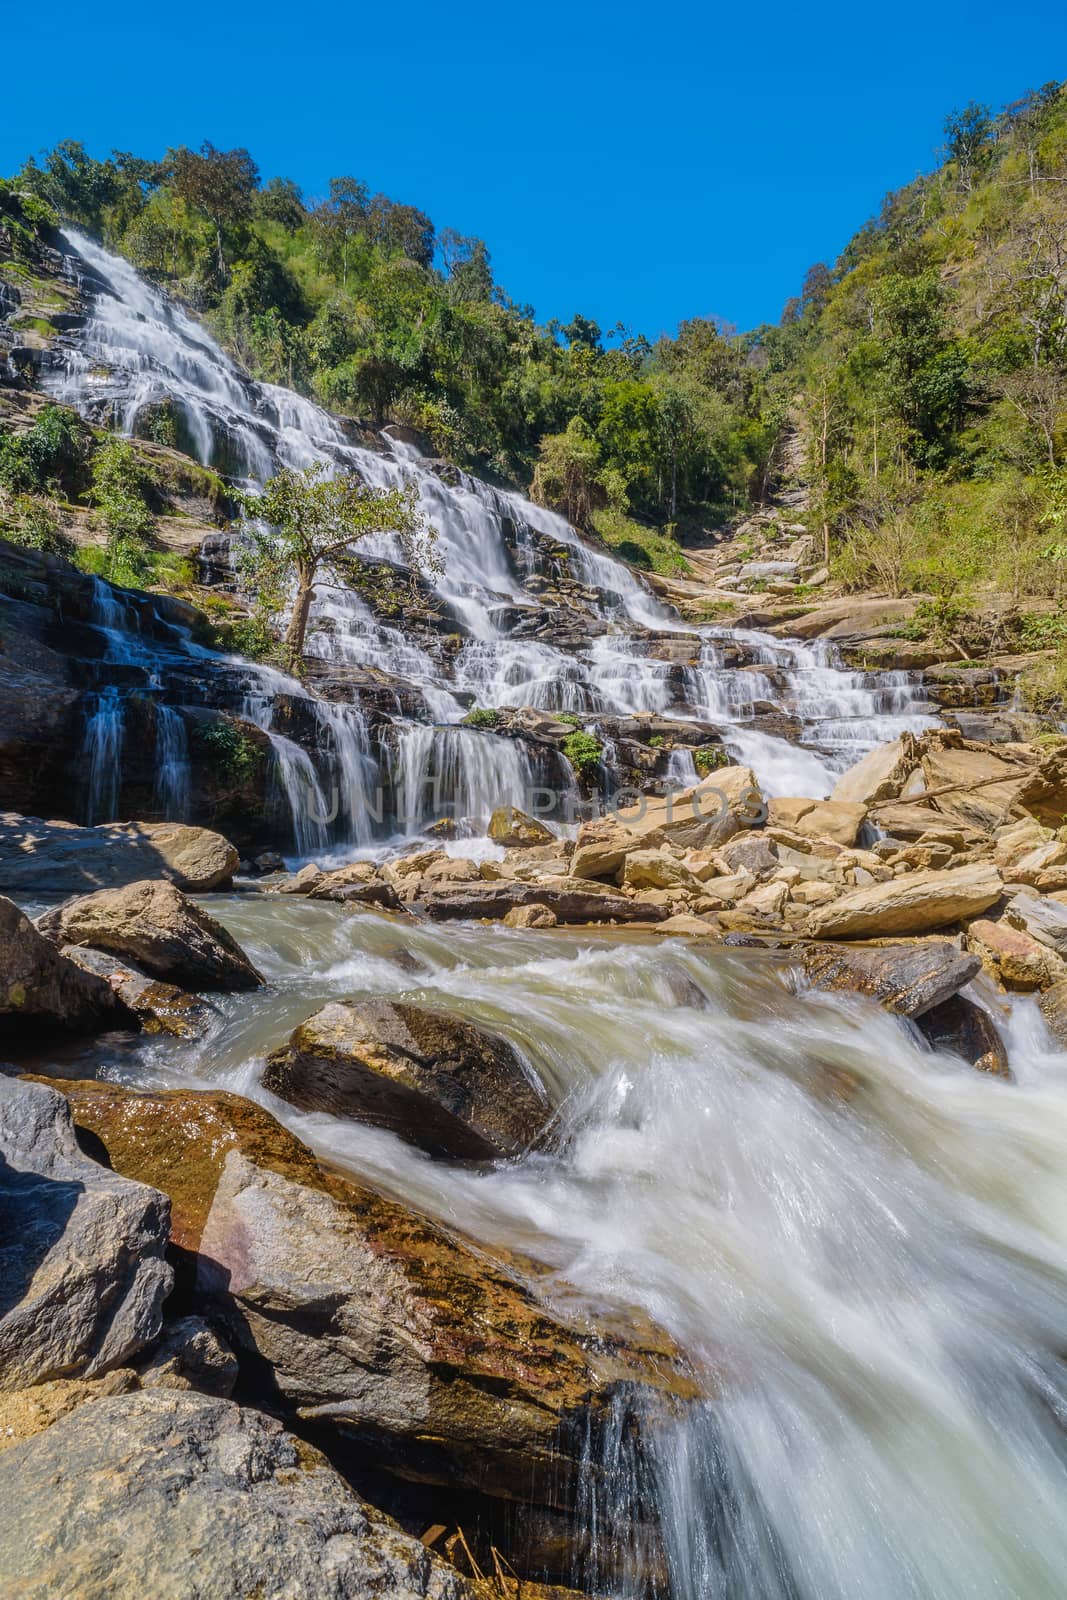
<point>584,752</point>
<point>33,524</point>
<point>49,455</point>
<point>243,636</point>
<point>709,758</point>
<point>120,488</point>
<point>232,756</point>
<point>483,717</point>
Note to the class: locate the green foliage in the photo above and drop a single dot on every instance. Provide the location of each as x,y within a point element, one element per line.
<point>584,751</point>
<point>232,756</point>
<point>653,549</point>
<point>120,489</point>
<point>483,717</point>
<point>709,758</point>
<point>32,523</point>
<point>49,456</point>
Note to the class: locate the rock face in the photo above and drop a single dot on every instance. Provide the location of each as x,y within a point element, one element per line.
<point>160,1007</point>
<point>156,926</point>
<point>906,979</point>
<point>571,904</point>
<point>965,1029</point>
<point>58,858</point>
<point>368,1317</point>
<point>1044,793</point>
<point>41,991</point>
<point>82,1274</point>
<point>919,902</point>
<point>174,1495</point>
<point>437,1081</point>
<point>1053,1005</point>
<point>513,828</point>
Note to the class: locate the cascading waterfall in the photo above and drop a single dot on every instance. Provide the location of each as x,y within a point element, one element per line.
<point>172,764</point>
<point>458,774</point>
<point>102,745</point>
<point>139,350</point>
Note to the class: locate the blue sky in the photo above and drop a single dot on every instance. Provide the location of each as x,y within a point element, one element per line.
<point>638,162</point>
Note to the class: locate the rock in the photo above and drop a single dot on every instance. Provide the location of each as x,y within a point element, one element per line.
<point>1043,918</point>
<point>905,979</point>
<point>513,828</point>
<point>41,991</point>
<point>495,900</point>
<point>685,924</point>
<point>174,1495</point>
<point>1044,867</point>
<point>1043,794</point>
<point>531,916</point>
<point>837,820</point>
<point>83,1275</point>
<point>1014,957</point>
<point>919,902</point>
<point>1053,1005</point>
<point>435,1080</point>
<point>881,775</point>
<point>158,928</point>
<point>977,807</point>
<point>191,1355</point>
<point>25,1412</point>
<point>700,818</point>
<point>305,881</point>
<point>655,869</point>
<point>966,1029</point>
<point>58,858</point>
<point>365,1316</point>
<point>768,900</point>
<point>751,853</point>
<point>161,1007</point>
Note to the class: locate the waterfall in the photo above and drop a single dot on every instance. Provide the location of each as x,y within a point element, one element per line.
<point>172,765</point>
<point>102,756</point>
<point>461,774</point>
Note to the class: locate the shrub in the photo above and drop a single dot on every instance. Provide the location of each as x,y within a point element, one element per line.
<point>584,752</point>
<point>33,524</point>
<point>50,454</point>
<point>229,752</point>
<point>709,758</point>
<point>482,717</point>
<point>120,488</point>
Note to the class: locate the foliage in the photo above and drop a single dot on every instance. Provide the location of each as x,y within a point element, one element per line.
<point>653,549</point>
<point>709,758</point>
<point>303,527</point>
<point>584,751</point>
<point>483,717</point>
<point>32,523</point>
<point>120,489</point>
<point>232,756</point>
<point>50,455</point>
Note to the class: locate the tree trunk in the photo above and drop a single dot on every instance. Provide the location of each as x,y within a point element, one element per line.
<point>298,622</point>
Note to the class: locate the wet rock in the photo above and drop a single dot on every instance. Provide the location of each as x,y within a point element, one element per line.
<point>966,1029</point>
<point>1014,957</point>
<point>435,1080</point>
<point>82,1274</point>
<point>532,916</point>
<point>369,1318</point>
<point>158,928</point>
<point>906,979</point>
<point>1053,1005</point>
<point>58,858</point>
<point>918,902</point>
<point>173,1495</point>
<point>514,829</point>
<point>41,991</point>
<point>160,1007</point>
<point>191,1355</point>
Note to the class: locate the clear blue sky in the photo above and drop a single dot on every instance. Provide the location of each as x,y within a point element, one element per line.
<point>637,162</point>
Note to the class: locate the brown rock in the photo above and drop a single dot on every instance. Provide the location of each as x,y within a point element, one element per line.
<point>435,1080</point>
<point>966,1029</point>
<point>906,979</point>
<point>1043,794</point>
<point>160,930</point>
<point>56,857</point>
<point>532,916</point>
<point>160,1007</point>
<point>514,829</point>
<point>837,820</point>
<point>919,902</point>
<point>571,904</point>
<point>1053,1005</point>
<point>1013,957</point>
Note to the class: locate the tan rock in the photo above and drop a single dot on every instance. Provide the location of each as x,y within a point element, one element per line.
<point>685,923</point>
<point>766,901</point>
<point>1053,1005</point>
<point>879,776</point>
<point>1013,957</point>
<point>810,892</point>
<point>56,857</point>
<point>977,807</point>
<point>835,820</point>
<point>515,830</point>
<point>533,916</point>
<point>1044,792</point>
<point>917,903</point>
<point>656,869</point>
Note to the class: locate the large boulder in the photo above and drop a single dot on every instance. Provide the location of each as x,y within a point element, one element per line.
<point>881,775</point>
<point>837,820</point>
<point>82,1274</point>
<point>699,818</point>
<point>658,869</point>
<point>434,1079</point>
<point>41,991</point>
<point>908,979</point>
<point>173,1495</point>
<point>966,1029</point>
<point>160,929</point>
<point>514,829</point>
<point>1014,957</point>
<point>1043,794</point>
<point>1044,919</point>
<point>918,902</point>
<point>39,858</point>
<point>366,1317</point>
<point>967,774</point>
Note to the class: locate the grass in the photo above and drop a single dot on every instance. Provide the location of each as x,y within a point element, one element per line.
<point>648,548</point>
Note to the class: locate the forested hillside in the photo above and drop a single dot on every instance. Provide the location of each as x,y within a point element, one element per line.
<point>926,368</point>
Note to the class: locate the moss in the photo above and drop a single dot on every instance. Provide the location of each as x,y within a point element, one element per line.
<point>483,717</point>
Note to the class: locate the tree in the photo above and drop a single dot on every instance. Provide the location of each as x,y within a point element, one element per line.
<point>313,521</point>
<point>567,475</point>
<point>966,137</point>
<point>220,183</point>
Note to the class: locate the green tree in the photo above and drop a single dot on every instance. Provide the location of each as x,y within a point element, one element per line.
<point>221,183</point>
<point>313,523</point>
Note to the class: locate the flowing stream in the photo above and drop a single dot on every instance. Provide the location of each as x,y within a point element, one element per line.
<point>860,1244</point>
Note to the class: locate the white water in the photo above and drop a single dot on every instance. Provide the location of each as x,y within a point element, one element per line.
<point>139,349</point>
<point>105,733</point>
<point>172,765</point>
<point>861,1245</point>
